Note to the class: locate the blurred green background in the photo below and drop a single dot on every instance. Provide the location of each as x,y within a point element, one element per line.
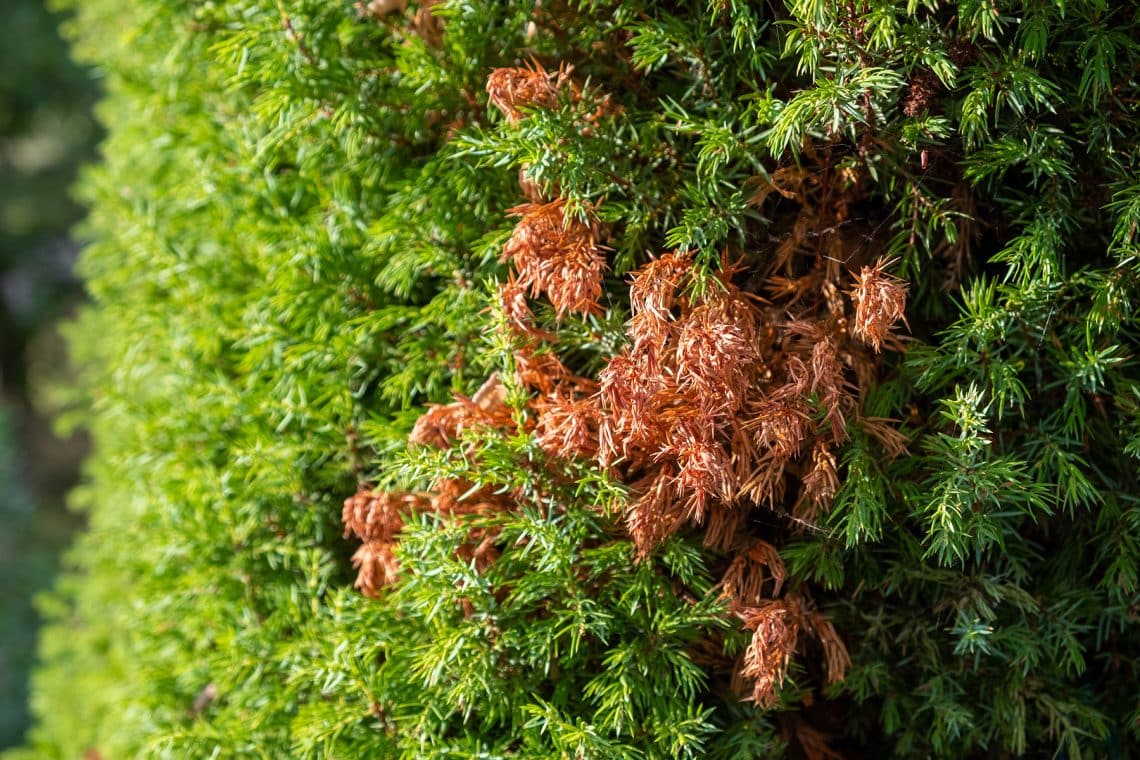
<point>46,133</point>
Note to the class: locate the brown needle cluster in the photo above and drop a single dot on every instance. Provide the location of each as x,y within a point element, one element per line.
<point>671,402</point>
<point>720,402</point>
<point>532,86</point>
<point>511,89</point>
<point>561,417</point>
<point>376,519</point>
<point>777,624</point>
<point>557,255</point>
<point>880,301</point>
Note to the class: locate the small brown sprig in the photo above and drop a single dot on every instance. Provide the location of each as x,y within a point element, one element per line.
<point>512,89</point>
<point>880,303</point>
<point>557,255</point>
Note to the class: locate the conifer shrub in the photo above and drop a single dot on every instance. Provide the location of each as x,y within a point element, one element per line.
<point>607,380</point>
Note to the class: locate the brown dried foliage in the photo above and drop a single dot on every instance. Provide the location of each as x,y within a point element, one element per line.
<point>556,255</point>
<point>744,580</point>
<point>443,423</point>
<point>733,394</point>
<point>880,303</point>
<point>568,424</point>
<point>376,519</point>
<point>752,585</point>
<point>776,627</point>
<point>728,394</point>
<point>511,89</point>
<point>834,650</point>
<point>673,399</point>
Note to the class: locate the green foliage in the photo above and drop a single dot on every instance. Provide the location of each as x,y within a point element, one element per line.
<point>299,210</point>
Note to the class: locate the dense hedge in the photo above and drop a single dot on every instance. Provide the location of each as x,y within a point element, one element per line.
<point>676,379</point>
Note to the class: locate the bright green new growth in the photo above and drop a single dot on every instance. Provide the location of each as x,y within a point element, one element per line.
<point>299,224</point>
